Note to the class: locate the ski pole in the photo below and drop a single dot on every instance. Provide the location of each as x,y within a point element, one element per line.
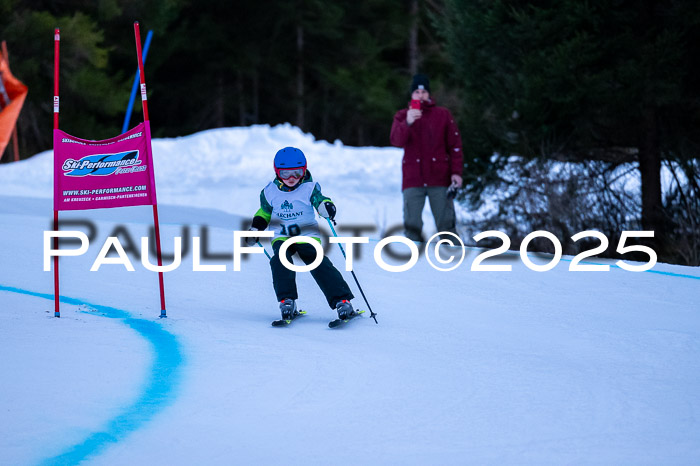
<point>268,256</point>
<point>134,88</point>
<point>372,314</point>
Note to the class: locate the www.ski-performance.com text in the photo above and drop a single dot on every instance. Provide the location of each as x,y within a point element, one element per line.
<point>104,194</point>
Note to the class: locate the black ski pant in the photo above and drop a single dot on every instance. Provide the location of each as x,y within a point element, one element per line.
<point>328,278</point>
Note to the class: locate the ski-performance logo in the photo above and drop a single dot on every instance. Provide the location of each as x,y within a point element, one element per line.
<point>104,164</point>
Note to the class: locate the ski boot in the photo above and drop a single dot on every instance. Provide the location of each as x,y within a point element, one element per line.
<point>344,309</point>
<point>288,307</point>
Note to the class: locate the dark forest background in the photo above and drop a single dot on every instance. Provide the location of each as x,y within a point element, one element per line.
<point>599,85</point>
<point>338,69</point>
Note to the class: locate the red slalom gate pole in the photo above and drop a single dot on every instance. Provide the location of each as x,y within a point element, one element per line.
<point>144,103</point>
<point>142,78</point>
<point>56,49</point>
<point>160,261</point>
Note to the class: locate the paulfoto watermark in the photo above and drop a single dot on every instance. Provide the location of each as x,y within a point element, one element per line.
<point>448,252</point>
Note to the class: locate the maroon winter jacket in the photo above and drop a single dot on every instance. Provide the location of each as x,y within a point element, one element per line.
<point>432,146</point>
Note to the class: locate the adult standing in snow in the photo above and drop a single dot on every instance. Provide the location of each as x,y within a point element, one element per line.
<point>432,160</point>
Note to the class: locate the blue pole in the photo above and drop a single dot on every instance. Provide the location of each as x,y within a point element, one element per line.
<point>134,88</point>
<point>372,314</point>
<point>268,256</point>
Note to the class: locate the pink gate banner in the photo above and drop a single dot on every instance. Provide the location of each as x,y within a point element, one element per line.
<point>116,172</point>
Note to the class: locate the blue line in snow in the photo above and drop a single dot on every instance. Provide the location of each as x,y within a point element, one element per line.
<point>670,274</point>
<point>157,393</point>
<point>512,253</point>
<point>660,272</point>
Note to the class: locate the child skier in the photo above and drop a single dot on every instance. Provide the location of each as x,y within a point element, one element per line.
<point>287,206</point>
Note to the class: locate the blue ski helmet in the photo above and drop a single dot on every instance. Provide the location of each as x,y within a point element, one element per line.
<point>289,157</point>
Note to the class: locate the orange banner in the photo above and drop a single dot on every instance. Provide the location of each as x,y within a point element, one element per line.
<point>12,95</point>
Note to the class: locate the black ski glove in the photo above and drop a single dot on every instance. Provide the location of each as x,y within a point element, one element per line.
<point>259,224</point>
<point>327,210</point>
<point>252,240</point>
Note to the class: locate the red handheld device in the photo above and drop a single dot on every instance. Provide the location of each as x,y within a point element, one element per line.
<point>415,104</point>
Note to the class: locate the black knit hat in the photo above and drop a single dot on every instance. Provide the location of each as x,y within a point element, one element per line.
<point>420,81</point>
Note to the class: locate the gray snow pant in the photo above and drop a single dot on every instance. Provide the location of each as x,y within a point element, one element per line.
<point>443,210</point>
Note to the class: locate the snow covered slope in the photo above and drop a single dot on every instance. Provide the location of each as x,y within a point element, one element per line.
<point>464,367</point>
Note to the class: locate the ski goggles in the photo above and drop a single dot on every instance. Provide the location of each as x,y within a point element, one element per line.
<point>287,173</point>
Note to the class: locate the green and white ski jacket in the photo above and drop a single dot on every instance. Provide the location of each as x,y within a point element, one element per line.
<point>290,211</point>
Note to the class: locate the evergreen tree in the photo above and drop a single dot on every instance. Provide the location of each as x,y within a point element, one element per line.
<point>611,80</point>
<point>338,69</point>
<point>88,101</point>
